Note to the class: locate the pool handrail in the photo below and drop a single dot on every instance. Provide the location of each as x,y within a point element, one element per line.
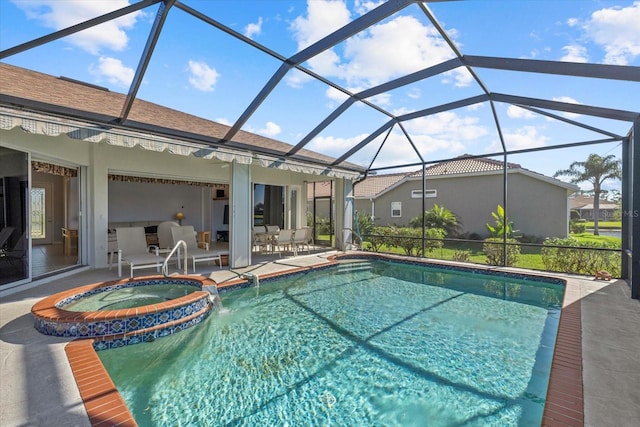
<point>176,247</point>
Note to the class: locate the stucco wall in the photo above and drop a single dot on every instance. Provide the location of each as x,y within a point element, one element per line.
<point>536,207</point>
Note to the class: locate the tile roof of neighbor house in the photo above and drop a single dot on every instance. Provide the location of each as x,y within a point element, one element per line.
<point>465,164</point>
<point>586,202</point>
<point>77,96</point>
<point>372,186</point>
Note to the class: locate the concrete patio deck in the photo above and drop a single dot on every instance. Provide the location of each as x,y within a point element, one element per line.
<point>37,387</point>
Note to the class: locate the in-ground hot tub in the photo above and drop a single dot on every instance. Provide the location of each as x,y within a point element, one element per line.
<point>129,311</point>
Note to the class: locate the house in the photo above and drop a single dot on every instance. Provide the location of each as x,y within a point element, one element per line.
<point>472,188</point>
<point>88,173</point>
<point>583,205</point>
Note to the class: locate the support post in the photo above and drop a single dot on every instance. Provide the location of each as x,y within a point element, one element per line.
<point>240,215</point>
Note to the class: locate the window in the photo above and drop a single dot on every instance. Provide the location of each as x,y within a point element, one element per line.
<point>428,194</point>
<point>268,205</point>
<point>396,209</point>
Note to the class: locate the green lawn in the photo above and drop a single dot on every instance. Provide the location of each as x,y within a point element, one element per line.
<point>589,237</point>
<point>612,225</point>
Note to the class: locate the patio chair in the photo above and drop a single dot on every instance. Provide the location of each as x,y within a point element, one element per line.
<point>165,238</point>
<point>132,249</point>
<point>274,229</point>
<point>260,239</point>
<point>284,240</point>
<point>196,254</point>
<point>4,236</point>
<point>301,239</point>
<point>17,253</point>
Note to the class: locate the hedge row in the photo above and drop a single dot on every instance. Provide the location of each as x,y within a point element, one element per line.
<point>563,255</point>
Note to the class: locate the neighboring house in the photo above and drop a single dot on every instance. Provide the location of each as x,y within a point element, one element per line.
<point>584,206</point>
<point>472,188</point>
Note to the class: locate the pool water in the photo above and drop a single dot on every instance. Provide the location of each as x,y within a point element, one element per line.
<point>129,297</point>
<point>384,344</point>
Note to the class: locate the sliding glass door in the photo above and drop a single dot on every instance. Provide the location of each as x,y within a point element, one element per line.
<point>14,211</point>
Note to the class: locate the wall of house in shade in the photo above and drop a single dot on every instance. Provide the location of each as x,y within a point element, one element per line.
<point>537,207</point>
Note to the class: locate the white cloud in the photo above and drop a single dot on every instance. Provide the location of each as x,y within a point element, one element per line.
<point>378,54</point>
<point>270,129</point>
<point>336,95</point>
<point>446,132</point>
<point>391,49</point>
<point>447,125</point>
<point>323,17</point>
<point>364,6</point>
<point>224,121</point>
<point>572,22</point>
<point>461,77</point>
<point>568,100</point>
<point>415,93</point>
<point>617,31</point>
<point>202,77</point>
<point>476,106</point>
<point>574,53</point>
<point>332,146</point>
<point>56,14</point>
<point>524,137</point>
<point>113,71</point>
<point>253,29</point>
<point>516,112</point>
<point>297,79</point>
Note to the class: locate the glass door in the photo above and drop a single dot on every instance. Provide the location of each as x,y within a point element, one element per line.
<point>14,216</point>
<point>55,213</point>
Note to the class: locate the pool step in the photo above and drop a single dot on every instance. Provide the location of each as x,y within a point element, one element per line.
<point>355,266</point>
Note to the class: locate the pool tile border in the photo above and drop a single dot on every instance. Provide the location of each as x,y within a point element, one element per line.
<point>52,319</point>
<point>564,405</point>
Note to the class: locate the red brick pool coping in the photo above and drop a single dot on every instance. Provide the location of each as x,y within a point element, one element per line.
<point>564,405</point>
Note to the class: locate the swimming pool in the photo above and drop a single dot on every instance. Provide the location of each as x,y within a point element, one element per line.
<point>376,343</point>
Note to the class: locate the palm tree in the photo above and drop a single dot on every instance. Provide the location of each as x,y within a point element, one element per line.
<point>596,170</point>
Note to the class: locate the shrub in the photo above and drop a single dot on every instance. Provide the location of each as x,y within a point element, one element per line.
<point>493,249</point>
<point>577,227</point>
<point>323,226</point>
<point>502,225</point>
<point>581,257</point>
<point>438,217</point>
<point>410,239</point>
<point>530,238</point>
<point>363,223</point>
<point>461,255</point>
<point>379,236</point>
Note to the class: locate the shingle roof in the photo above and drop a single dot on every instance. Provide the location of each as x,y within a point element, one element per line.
<point>69,94</point>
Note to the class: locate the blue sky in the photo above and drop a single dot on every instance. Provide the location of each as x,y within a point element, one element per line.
<point>203,71</point>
